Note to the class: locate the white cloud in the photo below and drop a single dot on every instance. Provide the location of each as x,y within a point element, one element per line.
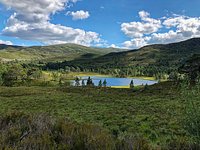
<point>35,10</point>
<point>136,42</point>
<point>79,15</point>
<point>139,29</point>
<point>113,46</point>
<point>49,33</point>
<point>176,28</point>
<point>184,28</point>
<point>167,37</point>
<point>31,21</point>
<point>6,42</point>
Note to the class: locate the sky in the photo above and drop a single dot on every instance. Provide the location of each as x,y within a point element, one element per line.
<point>127,24</point>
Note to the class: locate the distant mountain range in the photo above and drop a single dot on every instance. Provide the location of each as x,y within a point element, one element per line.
<point>158,54</point>
<point>52,53</point>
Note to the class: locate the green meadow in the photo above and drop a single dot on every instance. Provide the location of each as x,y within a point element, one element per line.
<point>156,113</point>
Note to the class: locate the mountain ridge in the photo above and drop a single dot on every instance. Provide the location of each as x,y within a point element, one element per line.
<point>50,53</point>
<point>168,54</point>
<point>158,54</point>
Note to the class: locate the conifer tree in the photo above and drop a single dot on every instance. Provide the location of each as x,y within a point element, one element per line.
<point>131,84</point>
<point>100,84</point>
<point>146,86</point>
<point>77,81</point>
<point>83,83</point>
<point>105,83</point>
<point>89,82</point>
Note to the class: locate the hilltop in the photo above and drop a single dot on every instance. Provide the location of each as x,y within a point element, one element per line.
<point>52,52</point>
<point>167,55</point>
<point>159,54</point>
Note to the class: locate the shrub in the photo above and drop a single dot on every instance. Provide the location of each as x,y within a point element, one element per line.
<point>43,132</point>
<point>191,100</point>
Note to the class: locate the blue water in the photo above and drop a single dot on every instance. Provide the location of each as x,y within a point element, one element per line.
<point>113,81</point>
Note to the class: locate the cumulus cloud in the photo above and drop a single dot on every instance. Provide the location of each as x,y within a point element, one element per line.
<point>139,29</point>
<point>113,46</point>
<point>31,21</point>
<point>136,42</point>
<point>184,28</point>
<point>49,33</point>
<point>79,15</point>
<point>6,42</point>
<point>177,28</point>
<point>35,10</point>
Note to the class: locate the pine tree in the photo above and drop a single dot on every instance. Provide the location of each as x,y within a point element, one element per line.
<point>105,83</point>
<point>100,84</point>
<point>131,84</point>
<point>89,82</point>
<point>77,81</point>
<point>83,83</point>
<point>146,86</point>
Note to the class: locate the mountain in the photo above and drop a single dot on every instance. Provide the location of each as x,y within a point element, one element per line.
<point>159,54</point>
<point>52,53</point>
<point>76,55</point>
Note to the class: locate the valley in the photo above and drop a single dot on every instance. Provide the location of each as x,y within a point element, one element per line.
<point>150,95</point>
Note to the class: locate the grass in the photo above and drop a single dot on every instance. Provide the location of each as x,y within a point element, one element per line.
<point>144,78</point>
<point>121,87</point>
<point>82,74</point>
<point>154,113</point>
<point>139,87</point>
<point>71,75</point>
<point>90,74</point>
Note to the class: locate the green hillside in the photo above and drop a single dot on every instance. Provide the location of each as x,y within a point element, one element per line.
<point>169,54</point>
<point>160,55</point>
<point>52,53</point>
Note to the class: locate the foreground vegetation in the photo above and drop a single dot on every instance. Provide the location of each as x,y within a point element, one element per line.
<point>43,132</point>
<point>158,116</point>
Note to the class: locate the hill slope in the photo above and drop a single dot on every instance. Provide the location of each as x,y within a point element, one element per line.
<point>51,53</point>
<point>159,55</point>
<point>72,54</point>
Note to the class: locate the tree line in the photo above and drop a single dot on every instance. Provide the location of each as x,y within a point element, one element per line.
<point>89,82</point>
<point>159,72</point>
<point>17,74</point>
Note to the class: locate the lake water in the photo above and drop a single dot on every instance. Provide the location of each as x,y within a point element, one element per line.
<point>113,81</point>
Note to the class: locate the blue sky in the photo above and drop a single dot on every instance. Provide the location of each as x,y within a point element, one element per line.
<point>105,23</point>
